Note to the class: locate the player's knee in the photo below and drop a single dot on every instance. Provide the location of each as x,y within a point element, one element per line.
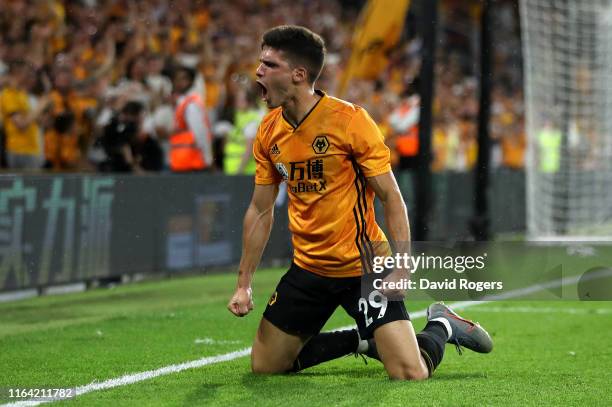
<point>259,365</point>
<point>262,365</point>
<point>402,371</point>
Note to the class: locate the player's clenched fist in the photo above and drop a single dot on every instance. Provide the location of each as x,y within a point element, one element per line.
<point>241,302</point>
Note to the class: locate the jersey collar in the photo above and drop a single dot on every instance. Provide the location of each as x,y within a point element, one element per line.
<point>318,92</point>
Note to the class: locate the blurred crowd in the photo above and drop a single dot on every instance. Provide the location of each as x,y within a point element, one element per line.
<point>100,85</point>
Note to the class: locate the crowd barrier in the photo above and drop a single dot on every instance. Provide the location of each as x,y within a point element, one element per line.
<point>64,228</point>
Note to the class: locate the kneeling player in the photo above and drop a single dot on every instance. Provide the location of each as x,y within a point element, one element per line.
<point>334,160</point>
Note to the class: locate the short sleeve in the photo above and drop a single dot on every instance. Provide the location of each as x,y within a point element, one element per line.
<point>265,172</point>
<point>368,145</point>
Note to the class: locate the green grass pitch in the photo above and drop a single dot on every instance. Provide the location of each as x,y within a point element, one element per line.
<point>546,353</point>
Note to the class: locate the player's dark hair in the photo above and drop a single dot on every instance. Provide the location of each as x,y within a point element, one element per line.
<point>300,45</point>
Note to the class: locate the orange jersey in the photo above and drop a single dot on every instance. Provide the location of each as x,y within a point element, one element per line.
<point>325,161</point>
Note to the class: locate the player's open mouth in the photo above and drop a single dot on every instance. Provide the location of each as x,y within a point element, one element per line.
<point>264,90</point>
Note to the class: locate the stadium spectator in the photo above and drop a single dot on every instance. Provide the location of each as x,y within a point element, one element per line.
<point>129,48</point>
<point>61,143</point>
<point>62,149</point>
<point>21,115</point>
<point>548,151</point>
<point>148,152</point>
<point>118,137</point>
<point>404,122</point>
<point>239,144</point>
<point>191,142</point>
<point>508,130</point>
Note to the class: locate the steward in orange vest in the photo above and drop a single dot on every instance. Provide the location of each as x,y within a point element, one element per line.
<point>190,145</point>
<point>404,121</point>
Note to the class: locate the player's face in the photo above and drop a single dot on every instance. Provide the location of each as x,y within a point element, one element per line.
<point>274,76</point>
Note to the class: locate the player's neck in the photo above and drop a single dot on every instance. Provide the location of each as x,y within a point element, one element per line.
<point>300,105</point>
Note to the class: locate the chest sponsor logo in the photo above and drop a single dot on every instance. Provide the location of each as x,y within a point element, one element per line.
<point>320,144</point>
<point>309,176</point>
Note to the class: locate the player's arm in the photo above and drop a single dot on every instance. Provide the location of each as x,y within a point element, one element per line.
<point>396,216</point>
<point>372,156</point>
<point>256,232</point>
<point>396,219</point>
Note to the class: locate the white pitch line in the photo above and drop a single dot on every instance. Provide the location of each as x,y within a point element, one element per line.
<point>138,377</point>
<point>210,360</point>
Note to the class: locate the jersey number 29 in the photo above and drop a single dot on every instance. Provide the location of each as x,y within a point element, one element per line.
<point>375,300</point>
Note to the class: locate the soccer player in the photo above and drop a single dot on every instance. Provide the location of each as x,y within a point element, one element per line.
<point>334,161</point>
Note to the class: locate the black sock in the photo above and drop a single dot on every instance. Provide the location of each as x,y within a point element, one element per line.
<point>432,340</point>
<point>326,346</point>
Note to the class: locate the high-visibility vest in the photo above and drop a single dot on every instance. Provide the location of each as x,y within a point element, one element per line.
<point>185,155</point>
<point>407,142</point>
<point>236,143</point>
<point>549,141</point>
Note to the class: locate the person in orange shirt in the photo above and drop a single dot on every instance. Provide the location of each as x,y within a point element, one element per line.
<point>21,120</point>
<point>61,144</point>
<point>333,158</point>
<point>513,145</point>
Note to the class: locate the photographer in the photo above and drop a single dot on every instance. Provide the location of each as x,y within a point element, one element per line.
<point>126,148</point>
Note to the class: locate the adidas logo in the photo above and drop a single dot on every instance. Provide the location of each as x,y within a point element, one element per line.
<point>275,150</point>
